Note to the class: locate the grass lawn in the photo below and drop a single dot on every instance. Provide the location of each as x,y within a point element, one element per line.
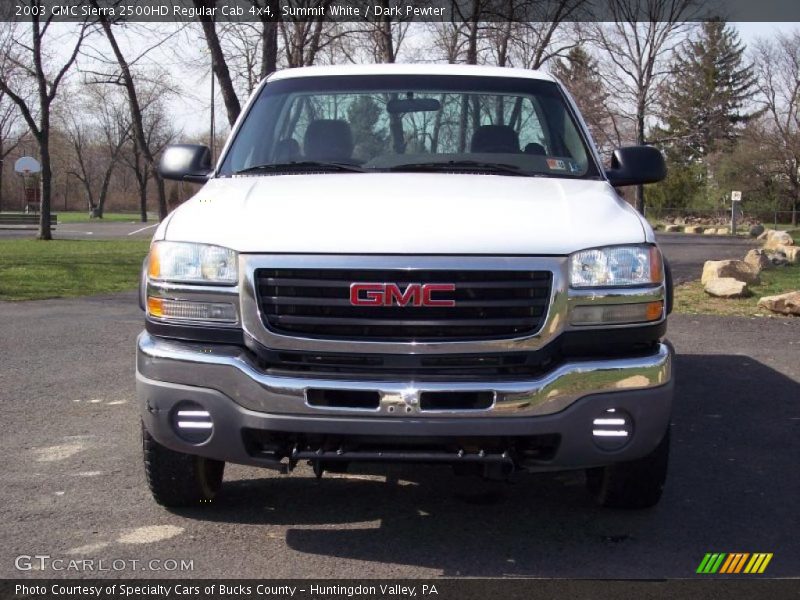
<point>33,269</point>
<point>83,217</point>
<point>690,298</point>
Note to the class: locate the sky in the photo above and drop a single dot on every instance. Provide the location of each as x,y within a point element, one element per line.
<point>190,108</point>
<point>195,112</point>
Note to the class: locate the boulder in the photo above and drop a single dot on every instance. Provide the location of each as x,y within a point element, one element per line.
<point>777,258</point>
<point>784,304</point>
<point>673,228</point>
<point>726,287</point>
<point>792,254</point>
<point>734,269</point>
<point>757,259</point>
<point>723,231</point>
<point>679,221</point>
<point>710,231</point>
<point>692,229</point>
<point>764,234</point>
<point>775,239</point>
<point>756,230</point>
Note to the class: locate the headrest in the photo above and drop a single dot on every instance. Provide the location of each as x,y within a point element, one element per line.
<point>328,140</point>
<point>494,139</point>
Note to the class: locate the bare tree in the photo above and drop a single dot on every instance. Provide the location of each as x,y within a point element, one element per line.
<point>96,141</point>
<point>777,63</point>
<point>159,133</point>
<point>33,56</point>
<point>218,63</point>
<point>10,135</point>
<point>633,52</point>
<point>124,77</point>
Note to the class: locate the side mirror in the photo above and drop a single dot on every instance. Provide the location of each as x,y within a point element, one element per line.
<point>636,164</point>
<point>186,162</point>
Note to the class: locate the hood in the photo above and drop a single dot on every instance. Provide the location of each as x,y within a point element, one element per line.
<point>405,213</point>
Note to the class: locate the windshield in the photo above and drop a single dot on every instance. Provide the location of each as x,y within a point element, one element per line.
<point>507,126</point>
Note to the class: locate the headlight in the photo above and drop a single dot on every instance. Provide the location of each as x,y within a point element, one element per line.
<point>616,266</point>
<point>192,263</point>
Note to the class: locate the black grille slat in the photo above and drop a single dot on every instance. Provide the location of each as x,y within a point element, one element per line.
<point>304,320</point>
<point>488,304</point>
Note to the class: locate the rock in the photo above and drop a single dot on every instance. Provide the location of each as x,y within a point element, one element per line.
<point>673,228</point>
<point>710,231</point>
<point>784,304</point>
<point>758,260</point>
<point>764,234</point>
<point>756,230</point>
<point>679,221</point>
<point>692,229</point>
<point>726,287</point>
<point>778,258</point>
<point>776,239</point>
<point>792,254</point>
<point>723,231</point>
<point>735,269</point>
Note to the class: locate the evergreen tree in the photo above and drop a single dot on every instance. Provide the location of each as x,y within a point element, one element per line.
<point>705,99</point>
<point>580,74</point>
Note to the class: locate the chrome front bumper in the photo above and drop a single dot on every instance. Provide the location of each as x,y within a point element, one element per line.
<point>232,371</point>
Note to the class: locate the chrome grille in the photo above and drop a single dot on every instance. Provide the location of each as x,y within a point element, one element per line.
<point>489,304</point>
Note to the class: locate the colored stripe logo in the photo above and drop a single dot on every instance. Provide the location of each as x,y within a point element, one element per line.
<point>734,563</point>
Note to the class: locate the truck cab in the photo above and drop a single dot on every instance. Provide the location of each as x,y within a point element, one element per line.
<point>407,263</point>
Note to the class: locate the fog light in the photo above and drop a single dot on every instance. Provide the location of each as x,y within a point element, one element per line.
<point>605,314</point>
<point>185,310</point>
<point>192,422</point>
<point>612,429</point>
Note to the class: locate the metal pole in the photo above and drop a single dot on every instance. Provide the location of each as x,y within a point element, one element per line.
<point>733,217</point>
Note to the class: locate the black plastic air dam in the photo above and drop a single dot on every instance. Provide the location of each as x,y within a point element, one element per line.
<point>650,410</point>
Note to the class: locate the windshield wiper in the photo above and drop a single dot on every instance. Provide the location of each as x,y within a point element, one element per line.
<point>473,165</point>
<point>302,165</point>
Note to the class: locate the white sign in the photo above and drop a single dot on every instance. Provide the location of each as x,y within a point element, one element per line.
<point>27,165</point>
<point>736,196</point>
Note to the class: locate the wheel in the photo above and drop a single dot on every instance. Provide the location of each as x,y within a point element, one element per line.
<point>177,479</point>
<point>634,484</point>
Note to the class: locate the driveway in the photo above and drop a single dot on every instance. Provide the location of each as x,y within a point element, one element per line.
<point>687,252</point>
<point>72,483</point>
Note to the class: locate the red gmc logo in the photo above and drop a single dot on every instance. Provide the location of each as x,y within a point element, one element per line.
<point>388,294</point>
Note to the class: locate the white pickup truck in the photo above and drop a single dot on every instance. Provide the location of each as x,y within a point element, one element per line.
<point>407,263</point>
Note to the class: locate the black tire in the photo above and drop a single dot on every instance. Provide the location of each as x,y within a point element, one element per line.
<point>631,485</point>
<point>177,479</point>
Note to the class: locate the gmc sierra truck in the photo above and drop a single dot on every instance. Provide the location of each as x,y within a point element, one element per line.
<point>407,263</point>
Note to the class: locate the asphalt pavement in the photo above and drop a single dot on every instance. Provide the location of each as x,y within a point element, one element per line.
<point>687,252</point>
<point>72,485</point>
<point>92,230</point>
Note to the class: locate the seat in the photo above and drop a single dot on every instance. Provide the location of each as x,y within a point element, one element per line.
<point>328,140</point>
<point>287,150</point>
<point>495,139</point>
<point>534,148</point>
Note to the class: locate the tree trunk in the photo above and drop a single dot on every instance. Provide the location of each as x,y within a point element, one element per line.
<point>639,190</point>
<point>47,181</point>
<point>136,116</point>
<point>269,47</point>
<point>2,167</point>
<point>143,200</point>
<point>218,63</point>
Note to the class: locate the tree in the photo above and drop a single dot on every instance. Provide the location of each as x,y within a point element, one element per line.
<point>10,135</point>
<point>96,141</point>
<point>634,50</point>
<point>580,74</point>
<point>33,57</point>
<point>777,64</point>
<point>159,133</point>
<point>125,79</point>
<point>705,97</point>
